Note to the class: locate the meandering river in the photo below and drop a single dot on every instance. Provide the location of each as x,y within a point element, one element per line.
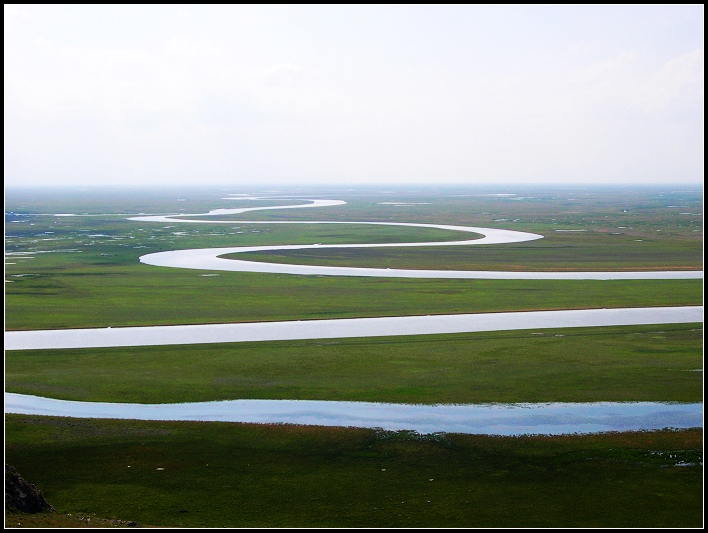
<point>554,418</point>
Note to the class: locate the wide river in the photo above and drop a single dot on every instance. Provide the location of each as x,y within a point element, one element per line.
<point>551,418</point>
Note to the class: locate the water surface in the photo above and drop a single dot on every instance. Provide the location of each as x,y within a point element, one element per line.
<point>343,328</point>
<point>486,419</point>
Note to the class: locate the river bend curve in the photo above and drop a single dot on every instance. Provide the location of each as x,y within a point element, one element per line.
<point>485,419</point>
<point>211,258</point>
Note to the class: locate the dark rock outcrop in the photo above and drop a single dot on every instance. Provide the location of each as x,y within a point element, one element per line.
<point>22,495</point>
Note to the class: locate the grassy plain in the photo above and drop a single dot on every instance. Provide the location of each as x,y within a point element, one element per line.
<point>238,475</point>
<point>638,363</point>
<point>83,271</point>
<point>62,294</point>
<point>577,251</point>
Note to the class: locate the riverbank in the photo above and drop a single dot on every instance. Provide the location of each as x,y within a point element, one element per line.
<point>196,474</point>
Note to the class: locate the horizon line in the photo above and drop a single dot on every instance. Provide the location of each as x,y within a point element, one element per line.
<point>571,185</point>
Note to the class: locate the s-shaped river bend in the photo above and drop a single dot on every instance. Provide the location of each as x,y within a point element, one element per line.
<point>551,418</point>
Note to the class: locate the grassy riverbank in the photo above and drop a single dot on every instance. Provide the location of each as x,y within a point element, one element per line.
<point>597,251</point>
<point>56,293</point>
<point>239,475</point>
<point>632,363</point>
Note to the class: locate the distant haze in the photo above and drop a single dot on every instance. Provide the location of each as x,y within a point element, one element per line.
<point>290,95</point>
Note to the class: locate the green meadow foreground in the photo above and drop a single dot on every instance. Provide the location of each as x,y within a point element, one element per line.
<point>83,271</point>
<point>238,475</point>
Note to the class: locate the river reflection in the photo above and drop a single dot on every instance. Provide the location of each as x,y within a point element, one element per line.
<point>486,419</point>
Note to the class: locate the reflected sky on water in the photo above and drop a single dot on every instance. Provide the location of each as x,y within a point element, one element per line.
<point>487,419</point>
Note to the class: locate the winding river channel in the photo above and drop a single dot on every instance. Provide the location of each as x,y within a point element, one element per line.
<point>551,418</point>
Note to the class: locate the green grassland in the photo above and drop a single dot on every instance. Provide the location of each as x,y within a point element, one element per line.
<point>83,271</point>
<point>240,475</point>
<point>64,293</point>
<point>637,363</point>
<point>565,252</point>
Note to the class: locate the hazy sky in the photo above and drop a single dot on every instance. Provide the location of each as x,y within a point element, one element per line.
<point>239,95</point>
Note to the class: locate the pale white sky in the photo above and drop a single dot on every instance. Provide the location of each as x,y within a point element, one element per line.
<point>239,95</point>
